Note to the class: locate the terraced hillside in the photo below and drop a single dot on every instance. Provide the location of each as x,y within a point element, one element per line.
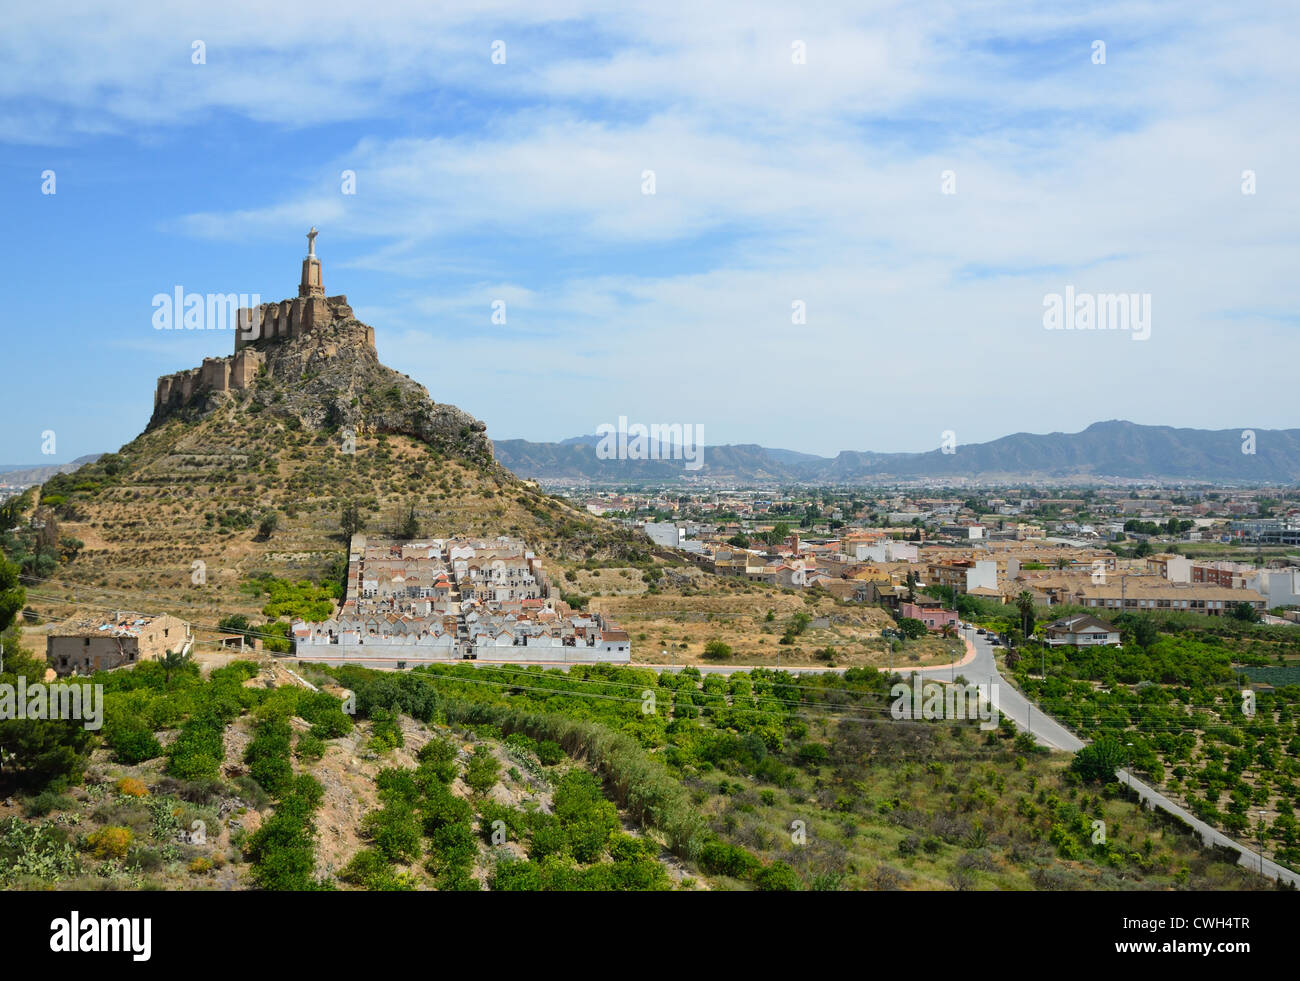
<point>178,514</point>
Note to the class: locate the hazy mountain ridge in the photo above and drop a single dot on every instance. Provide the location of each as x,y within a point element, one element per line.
<point>1112,449</point>
<point>25,473</point>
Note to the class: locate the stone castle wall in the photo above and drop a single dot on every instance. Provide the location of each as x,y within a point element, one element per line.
<point>267,322</point>
<point>255,328</point>
<point>235,371</point>
<point>290,318</point>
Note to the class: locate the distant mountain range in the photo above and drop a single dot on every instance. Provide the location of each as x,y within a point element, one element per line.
<point>1105,450</point>
<point>26,473</point>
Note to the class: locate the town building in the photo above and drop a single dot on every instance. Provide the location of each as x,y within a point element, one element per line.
<point>1080,630</point>
<point>88,644</point>
<point>411,602</point>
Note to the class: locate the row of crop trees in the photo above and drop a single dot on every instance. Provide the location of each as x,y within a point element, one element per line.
<point>1169,706</point>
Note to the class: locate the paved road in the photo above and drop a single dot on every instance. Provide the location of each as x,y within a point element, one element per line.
<point>980,667</point>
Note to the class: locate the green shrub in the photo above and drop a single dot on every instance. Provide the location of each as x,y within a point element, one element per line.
<point>133,743</point>
<point>717,650</point>
<point>1098,761</point>
<point>267,755</point>
<point>309,746</point>
<point>370,870</point>
<point>550,752</point>
<point>778,877</point>
<point>723,858</point>
<point>440,807</point>
<point>483,770</point>
<point>394,830</point>
<point>282,849</point>
<point>199,750</point>
<point>385,731</point>
<point>45,802</point>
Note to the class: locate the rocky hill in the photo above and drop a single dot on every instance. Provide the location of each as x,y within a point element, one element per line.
<point>293,427</point>
<point>326,378</point>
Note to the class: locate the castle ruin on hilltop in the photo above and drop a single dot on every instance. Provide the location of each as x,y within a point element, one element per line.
<point>257,328</point>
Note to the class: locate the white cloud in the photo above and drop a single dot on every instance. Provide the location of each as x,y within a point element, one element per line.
<point>775,182</point>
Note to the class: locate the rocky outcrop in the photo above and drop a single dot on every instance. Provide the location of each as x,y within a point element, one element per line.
<point>326,374</point>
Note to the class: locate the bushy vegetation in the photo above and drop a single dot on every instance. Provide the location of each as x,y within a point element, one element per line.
<point>1168,705</point>
<point>303,599</point>
<point>720,770</point>
<point>282,850</point>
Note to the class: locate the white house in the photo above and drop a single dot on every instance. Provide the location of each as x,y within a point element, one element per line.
<point>1080,630</point>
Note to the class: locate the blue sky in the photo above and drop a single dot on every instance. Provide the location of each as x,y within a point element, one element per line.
<point>775,182</point>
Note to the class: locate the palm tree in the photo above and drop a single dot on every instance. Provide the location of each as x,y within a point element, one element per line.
<point>1025,604</point>
<point>172,661</point>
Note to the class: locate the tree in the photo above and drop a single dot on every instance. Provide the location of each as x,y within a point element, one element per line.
<point>482,771</point>
<point>739,541</point>
<point>1140,630</point>
<point>778,877</point>
<point>12,594</point>
<point>717,650</point>
<point>911,586</point>
<point>1245,612</point>
<point>779,533</point>
<point>1025,604</point>
<point>236,623</point>
<point>1098,761</point>
<point>69,548</point>
<point>411,526</point>
<point>172,661</point>
<point>39,753</point>
<point>912,627</point>
<point>350,520</point>
<point>270,521</point>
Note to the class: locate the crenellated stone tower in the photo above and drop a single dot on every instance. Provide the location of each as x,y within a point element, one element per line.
<point>257,329</point>
<point>291,318</point>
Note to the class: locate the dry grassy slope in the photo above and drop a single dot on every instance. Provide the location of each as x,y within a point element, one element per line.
<point>734,611</point>
<point>144,527</point>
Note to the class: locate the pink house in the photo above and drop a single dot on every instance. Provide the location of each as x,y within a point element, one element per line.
<point>934,617</point>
